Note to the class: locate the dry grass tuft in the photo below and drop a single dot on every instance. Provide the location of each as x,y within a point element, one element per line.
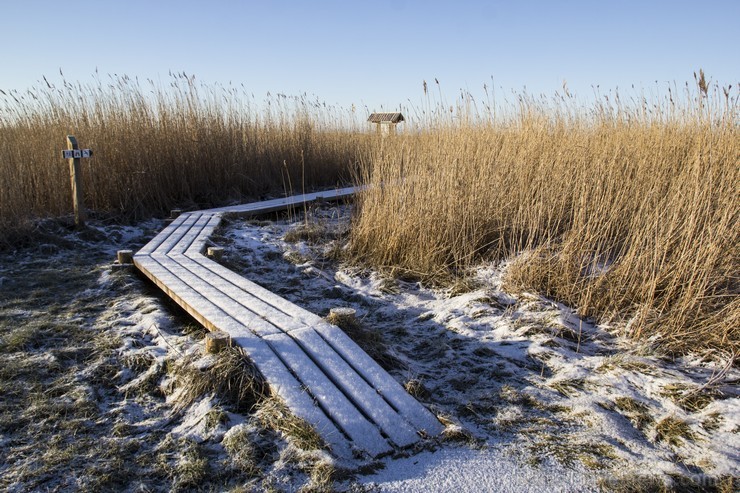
<point>637,412</point>
<point>673,431</point>
<point>274,414</point>
<point>570,450</point>
<point>311,232</point>
<point>322,474</point>
<point>192,468</point>
<point>371,341</point>
<point>690,398</point>
<point>416,388</point>
<point>241,451</point>
<point>232,376</point>
<point>568,387</point>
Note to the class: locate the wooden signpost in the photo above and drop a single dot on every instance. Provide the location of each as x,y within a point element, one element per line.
<point>73,154</point>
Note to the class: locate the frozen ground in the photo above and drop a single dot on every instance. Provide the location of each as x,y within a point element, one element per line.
<point>104,386</point>
<point>534,398</point>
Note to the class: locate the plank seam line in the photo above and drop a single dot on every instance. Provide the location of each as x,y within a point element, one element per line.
<point>305,388</point>
<point>179,232</point>
<point>359,372</point>
<point>253,295</point>
<point>340,387</point>
<point>226,295</point>
<point>207,300</point>
<point>157,242</point>
<point>196,237</point>
<point>194,226</point>
<point>249,294</point>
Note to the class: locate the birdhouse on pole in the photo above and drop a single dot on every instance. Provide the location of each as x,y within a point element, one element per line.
<point>385,123</point>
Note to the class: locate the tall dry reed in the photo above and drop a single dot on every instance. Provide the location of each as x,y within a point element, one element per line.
<point>627,210</point>
<point>157,146</point>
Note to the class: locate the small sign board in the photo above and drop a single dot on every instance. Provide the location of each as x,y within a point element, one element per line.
<point>77,153</point>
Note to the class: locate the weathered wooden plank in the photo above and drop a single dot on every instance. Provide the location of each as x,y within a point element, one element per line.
<point>199,245</point>
<point>176,235</point>
<point>335,404</point>
<point>226,294</point>
<point>190,235</point>
<point>204,311</point>
<point>356,388</point>
<point>389,388</point>
<point>259,325</point>
<point>162,236</point>
<point>287,202</point>
<point>258,292</point>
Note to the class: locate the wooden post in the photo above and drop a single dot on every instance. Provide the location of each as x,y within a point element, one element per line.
<point>217,340</point>
<point>75,176</point>
<point>125,257</point>
<point>342,317</point>
<point>216,253</point>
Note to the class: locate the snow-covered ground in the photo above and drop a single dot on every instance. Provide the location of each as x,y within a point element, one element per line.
<point>102,380</point>
<point>534,397</point>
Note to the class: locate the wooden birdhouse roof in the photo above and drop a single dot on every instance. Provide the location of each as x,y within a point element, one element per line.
<point>385,118</point>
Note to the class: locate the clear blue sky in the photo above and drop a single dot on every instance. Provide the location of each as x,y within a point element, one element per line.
<point>374,52</point>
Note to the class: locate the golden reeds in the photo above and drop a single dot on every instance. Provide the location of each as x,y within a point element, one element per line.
<point>626,210</point>
<point>160,146</point>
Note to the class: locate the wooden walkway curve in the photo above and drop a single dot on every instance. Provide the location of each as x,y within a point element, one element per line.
<point>319,372</point>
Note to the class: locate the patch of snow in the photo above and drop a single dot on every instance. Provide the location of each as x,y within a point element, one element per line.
<point>465,470</point>
<point>194,423</point>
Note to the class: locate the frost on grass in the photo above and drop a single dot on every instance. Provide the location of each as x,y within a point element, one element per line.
<point>517,377</point>
<point>105,388</point>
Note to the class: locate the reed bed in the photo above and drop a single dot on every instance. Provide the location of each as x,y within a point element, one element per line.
<point>163,145</point>
<point>625,210</point>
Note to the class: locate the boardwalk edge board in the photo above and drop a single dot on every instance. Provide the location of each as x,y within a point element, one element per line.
<point>322,375</point>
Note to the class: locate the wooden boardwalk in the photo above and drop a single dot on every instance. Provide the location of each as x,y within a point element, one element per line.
<point>319,372</point>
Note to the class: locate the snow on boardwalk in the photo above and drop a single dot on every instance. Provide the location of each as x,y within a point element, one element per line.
<point>320,373</point>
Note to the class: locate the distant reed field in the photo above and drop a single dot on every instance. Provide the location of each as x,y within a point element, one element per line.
<point>157,146</point>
